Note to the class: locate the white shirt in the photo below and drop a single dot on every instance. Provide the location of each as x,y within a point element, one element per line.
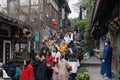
<point>74,65</point>
<point>67,39</point>
<point>71,36</point>
<point>56,55</point>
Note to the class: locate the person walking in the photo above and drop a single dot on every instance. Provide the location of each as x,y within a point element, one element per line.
<point>27,72</point>
<point>67,38</point>
<point>63,67</point>
<point>50,64</point>
<point>17,72</point>
<point>55,71</point>
<point>45,48</point>
<point>74,63</point>
<point>56,54</point>
<point>106,61</point>
<point>63,48</point>
<point>35,65</point>
<point>41,70</point>
<point>11,68</point>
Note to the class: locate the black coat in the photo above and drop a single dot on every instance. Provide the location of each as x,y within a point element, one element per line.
<point>41,70</point>
<point>35,65</point>
<point>11,69</point>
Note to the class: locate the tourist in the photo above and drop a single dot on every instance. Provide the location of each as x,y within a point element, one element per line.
<point>55,71</point>
<point>74,63</point>
<point>56,54</point>
<point>50,64</point>
<point>63,48</point>
<point>27,72</point>
<point>63,72</point>
<point>41,70</point>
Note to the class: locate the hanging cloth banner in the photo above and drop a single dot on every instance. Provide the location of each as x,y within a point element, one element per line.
<point>37,36</point>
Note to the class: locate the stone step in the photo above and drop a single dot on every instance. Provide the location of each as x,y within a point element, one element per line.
<point>92,61</point>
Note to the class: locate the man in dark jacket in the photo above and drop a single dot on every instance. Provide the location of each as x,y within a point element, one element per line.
<point>41,70</point>
<point>44,49</point>
<point>106,60</point>
<point>11,68</point>
<point>35,65</point>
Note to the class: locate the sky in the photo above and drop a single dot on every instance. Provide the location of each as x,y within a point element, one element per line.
<point>73,13</point>
<point>3,3</point>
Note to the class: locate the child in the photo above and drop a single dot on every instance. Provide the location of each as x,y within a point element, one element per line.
<point>55,71</point>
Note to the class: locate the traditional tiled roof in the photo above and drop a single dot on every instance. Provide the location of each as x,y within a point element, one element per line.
<point>7,18</point>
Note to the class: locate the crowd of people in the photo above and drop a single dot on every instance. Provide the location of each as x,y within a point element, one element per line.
<point>58,60</point>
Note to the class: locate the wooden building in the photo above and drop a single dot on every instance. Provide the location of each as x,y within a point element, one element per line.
<point>9,33</point>
<point>105,24</point>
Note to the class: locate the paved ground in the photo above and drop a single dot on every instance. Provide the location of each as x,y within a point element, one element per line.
<point>94,73</point>
<point>93,65</point>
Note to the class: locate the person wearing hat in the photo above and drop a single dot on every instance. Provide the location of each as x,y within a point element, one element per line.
<point>106,61</point>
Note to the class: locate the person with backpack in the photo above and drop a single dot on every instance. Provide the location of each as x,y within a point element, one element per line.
<point>11,68</point>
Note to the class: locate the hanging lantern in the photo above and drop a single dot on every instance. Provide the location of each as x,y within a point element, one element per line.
<point>54,23</point>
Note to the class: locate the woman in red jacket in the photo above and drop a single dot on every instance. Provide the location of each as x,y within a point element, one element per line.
<point>27,71</point>
<point>50,64</point>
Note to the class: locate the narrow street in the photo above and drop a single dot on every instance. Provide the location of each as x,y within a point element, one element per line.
<point>59,39</point>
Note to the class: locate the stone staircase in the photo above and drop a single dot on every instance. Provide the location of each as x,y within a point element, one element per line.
<point>92,61</point>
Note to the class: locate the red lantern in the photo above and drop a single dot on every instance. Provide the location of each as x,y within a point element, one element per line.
<point>54,23</point>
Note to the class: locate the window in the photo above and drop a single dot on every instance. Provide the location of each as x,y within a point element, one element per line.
<point>11,6</point>
<point>34,2</point>
<point>24,2</point>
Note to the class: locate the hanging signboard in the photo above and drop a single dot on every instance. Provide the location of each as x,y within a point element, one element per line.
<point>37,36</point>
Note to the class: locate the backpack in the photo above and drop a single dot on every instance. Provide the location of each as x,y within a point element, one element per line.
<point>11,70</point>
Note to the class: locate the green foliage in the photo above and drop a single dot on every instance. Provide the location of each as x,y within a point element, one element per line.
<point>82,69</point>
<point>81,25</point>
<point>98,54</point>
<point>22,55</point>
<point>82,74</point>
